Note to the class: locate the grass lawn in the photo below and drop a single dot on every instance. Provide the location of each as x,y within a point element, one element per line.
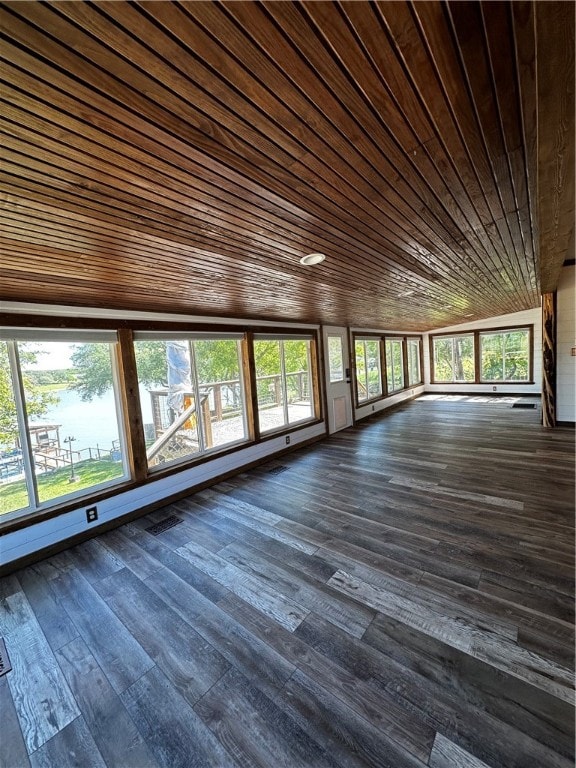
<point>52,387</point>
<point>13,496</point>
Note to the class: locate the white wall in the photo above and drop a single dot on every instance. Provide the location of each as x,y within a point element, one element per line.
<point>381,405</point>
<point>527,317</point>
<point>565,341</point>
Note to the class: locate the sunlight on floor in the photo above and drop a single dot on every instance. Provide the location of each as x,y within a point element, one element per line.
<point>507,400</point>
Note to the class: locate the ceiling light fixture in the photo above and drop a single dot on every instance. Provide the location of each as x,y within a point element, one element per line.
<point>312,258</point>
<point>405,293</point>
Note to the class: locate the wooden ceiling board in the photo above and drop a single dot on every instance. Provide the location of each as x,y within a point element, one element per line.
<point>389,246</point>
<point>460,109</point>
<point>487,89</point>
<point>182,157</point>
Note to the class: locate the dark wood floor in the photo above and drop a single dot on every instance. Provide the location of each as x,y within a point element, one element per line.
<point>399,595</point>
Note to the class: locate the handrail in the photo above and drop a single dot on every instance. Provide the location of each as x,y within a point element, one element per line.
<point>173,428</point>
<point>216,387</point>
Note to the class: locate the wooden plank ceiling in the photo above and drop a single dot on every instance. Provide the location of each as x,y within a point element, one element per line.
<point>182,157</point>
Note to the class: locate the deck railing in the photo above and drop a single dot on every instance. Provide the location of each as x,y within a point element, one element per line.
<point>224,398</point>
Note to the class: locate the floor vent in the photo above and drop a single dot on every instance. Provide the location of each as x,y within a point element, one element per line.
<point>5,665</point>
<point>524,405</point>
<point>277,470</point>
<point>164,525</point>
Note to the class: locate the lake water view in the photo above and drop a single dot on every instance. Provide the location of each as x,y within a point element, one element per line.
<point>93,423</point>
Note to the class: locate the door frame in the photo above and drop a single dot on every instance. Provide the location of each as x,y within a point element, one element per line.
<point>339,403</point>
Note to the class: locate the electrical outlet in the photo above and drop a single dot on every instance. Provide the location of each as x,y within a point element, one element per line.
<point>287,439</point>
<point>494,389</point>
<point>91,514</point>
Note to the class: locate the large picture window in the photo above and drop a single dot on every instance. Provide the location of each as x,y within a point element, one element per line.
<point>191,393</point>
<point>505,355</point>
<point>368,372</point>
<point>63,441</point>
<point>61,430</point>
<point>283,381</point>
<point>394,365</point>
<point>482,357</point>
<point>453,358</point>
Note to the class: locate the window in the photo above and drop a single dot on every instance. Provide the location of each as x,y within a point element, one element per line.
<point>453,358</point>
<point>61,430</point>
<point>191,393</point>
<point>335,359</point>
<point>505,355</point>
<point>368,374</point>
<point>394,365</point>
<point>414,370</point>
<point>283,381</point>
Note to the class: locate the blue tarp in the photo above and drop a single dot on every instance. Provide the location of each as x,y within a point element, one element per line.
<point>179,373</point>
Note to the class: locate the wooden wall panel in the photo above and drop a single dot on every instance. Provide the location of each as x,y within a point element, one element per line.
<point>549,359</point>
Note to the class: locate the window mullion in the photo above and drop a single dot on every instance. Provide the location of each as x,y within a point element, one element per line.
<point>283,384</point>
<point>22,418</point>
<point>197,398</point>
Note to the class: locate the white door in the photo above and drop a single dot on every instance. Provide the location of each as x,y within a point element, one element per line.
<point>337,374</point>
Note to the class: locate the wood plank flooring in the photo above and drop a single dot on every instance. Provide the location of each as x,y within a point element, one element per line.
<point>401,596</point>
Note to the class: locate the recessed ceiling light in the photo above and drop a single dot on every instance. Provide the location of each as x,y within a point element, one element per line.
<point>312,258</point>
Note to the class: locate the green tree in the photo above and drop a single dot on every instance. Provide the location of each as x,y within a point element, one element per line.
<point>505,356</point>
<point>37,402</point>
<point>93,366</point>
<point>151,363</point>
<point>215,360</point>
<point>267,357</point>
<point>454,359</point>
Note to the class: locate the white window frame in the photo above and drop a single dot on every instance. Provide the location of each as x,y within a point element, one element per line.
<point>504,332</point>
<point>281,338</point>
<point>191,337</point>
<point>374,340</point>
<point>453,338</point>
<point>389,382</point>
<point>411,342</point>
<point>12,336</point>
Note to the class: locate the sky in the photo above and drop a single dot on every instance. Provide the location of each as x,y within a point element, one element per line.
<point>55,354</point>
